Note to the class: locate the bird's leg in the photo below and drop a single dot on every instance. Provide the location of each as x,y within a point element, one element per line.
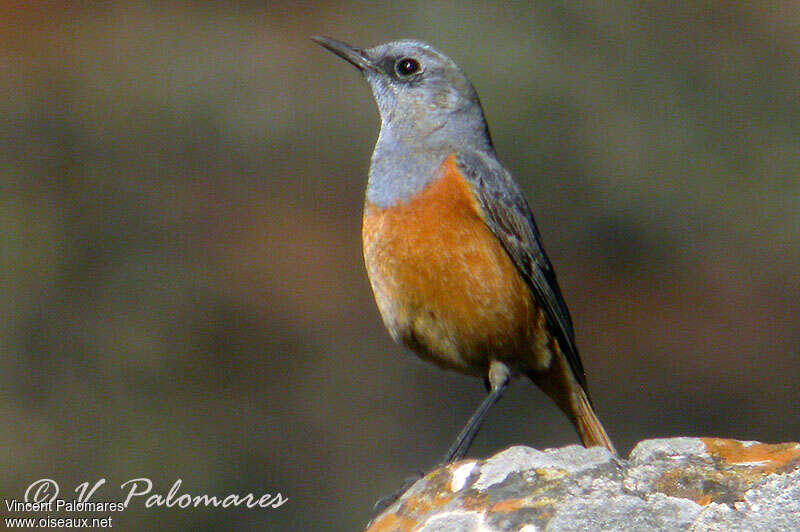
<point>498,379</point>
<point>499,376</point>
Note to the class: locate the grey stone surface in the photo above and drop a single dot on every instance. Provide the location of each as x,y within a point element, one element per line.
<point>602,511</point>
<point>773,505</point>
<point>678,484</point>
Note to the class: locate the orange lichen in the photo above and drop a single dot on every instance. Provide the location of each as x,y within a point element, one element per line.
<point>392,523</point>
<point>769,458</point>
<point>704,500</point>
<point>510,505</point>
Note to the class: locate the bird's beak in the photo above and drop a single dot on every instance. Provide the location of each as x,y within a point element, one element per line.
<point>351,54</point>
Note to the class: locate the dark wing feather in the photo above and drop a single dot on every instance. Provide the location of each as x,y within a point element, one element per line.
<point>510,219</point>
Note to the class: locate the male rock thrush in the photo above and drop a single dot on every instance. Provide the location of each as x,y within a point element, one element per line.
<point>451,248</point>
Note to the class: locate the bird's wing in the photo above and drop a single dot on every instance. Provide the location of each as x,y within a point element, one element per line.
<point>510,219</point>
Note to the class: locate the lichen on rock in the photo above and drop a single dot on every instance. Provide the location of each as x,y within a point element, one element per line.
<point>680,484</point>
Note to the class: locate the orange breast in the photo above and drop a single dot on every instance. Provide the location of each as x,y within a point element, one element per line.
<point>443,282</point>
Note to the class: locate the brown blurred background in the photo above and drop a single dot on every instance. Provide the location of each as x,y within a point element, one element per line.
<point>181,285</point>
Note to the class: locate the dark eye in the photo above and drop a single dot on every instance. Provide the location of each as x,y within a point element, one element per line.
<point>406,67</point>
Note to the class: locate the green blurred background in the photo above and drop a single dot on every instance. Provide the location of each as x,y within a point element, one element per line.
<point>181,284</point>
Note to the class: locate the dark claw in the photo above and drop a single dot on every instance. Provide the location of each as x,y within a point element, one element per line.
<point>388,500</point>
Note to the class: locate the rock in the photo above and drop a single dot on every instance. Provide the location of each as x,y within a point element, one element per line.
<point>692,484</point>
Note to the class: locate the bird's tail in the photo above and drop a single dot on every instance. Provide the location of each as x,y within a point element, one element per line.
<point>589,427</point>
<point>559,383</point>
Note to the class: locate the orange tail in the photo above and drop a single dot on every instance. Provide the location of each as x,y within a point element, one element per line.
<point>589,427</point>
<point>559,383</point>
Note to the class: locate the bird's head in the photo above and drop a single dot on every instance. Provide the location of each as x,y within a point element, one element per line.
<point>417,88</point>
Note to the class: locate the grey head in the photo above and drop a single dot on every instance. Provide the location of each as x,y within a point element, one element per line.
<point>428,110</point>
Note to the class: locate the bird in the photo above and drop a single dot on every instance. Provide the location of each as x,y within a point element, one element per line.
<point>451,248</point>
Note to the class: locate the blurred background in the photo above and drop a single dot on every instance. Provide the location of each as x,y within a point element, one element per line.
<point>181,284</point>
